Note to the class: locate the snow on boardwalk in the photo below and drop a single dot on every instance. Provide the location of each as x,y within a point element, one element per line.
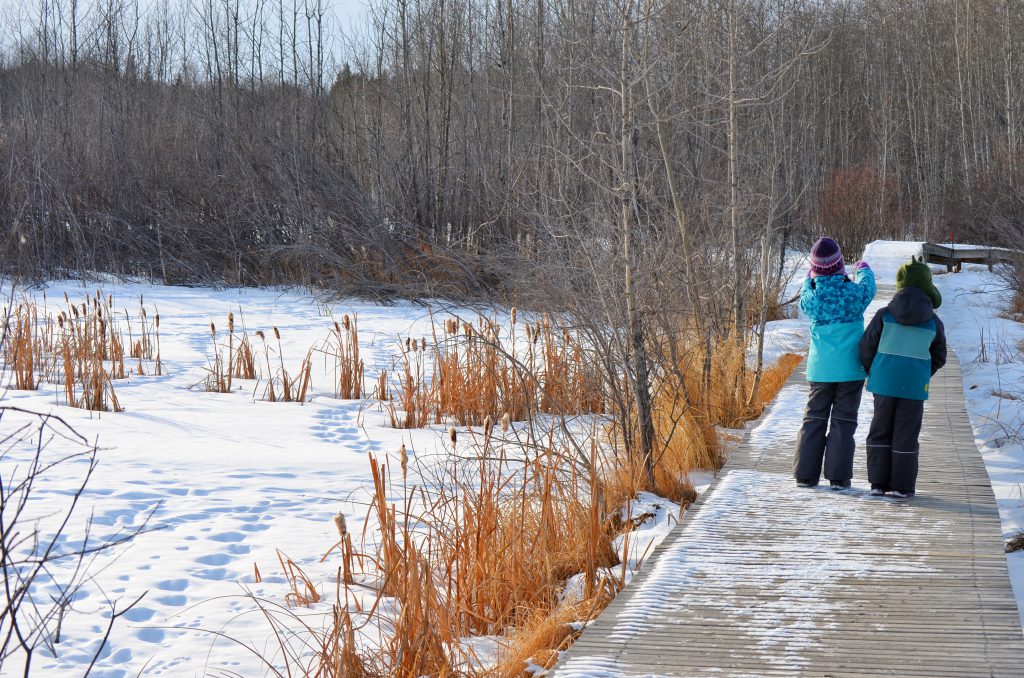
<point>765,579</point>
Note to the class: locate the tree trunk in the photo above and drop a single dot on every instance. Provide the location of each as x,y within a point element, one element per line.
<point>641,377</point>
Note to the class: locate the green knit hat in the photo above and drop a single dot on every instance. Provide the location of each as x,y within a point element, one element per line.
<point>918,274</point>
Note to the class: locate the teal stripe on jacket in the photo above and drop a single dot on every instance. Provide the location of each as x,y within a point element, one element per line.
<point>902,368</point>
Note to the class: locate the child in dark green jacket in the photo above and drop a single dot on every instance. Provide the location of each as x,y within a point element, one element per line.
<point>903,346</point>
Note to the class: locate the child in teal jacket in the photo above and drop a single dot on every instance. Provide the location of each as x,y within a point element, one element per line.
<point>903,347</point>
<point>835,306</point>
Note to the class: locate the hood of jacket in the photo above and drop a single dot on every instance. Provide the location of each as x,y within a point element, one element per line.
<point>911,306</point>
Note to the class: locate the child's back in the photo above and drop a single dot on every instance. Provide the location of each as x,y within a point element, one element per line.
<point>835,306</point>
<point>903,346</point>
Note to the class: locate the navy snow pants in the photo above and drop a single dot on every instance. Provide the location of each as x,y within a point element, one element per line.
<point>892,444</point>
<point>830,421</point>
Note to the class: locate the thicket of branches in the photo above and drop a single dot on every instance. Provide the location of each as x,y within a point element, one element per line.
<point>255,141</point>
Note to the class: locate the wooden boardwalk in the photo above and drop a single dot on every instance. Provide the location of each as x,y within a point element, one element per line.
<point>765,579</point>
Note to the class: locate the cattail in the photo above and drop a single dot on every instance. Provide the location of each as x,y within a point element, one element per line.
<point>231,322</point>
<point>513,315</point>
<point>262,337</point>
<point>213,330</point>
<point>506,421</point>
<point>337,328</point>
<point>407,343</point>
<point>345,321</point>
<point>453,435</point>
<point>157,318</point>
<point>529,333</point>
<point>277,334</point>
<point>403,458</point>
<point>423,343</point>
<point>488,425</point>
<point>339,522</point>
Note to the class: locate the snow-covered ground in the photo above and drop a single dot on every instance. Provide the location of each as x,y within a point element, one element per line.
<point>232,478</point>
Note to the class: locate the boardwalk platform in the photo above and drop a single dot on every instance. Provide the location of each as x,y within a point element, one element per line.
<point>765,579</point>
<point>953,256</point>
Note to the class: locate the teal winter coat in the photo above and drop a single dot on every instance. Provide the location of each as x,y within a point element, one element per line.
<point>835,306</point>
<point>903,346</point>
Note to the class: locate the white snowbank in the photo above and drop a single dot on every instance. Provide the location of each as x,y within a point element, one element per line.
<point>886,256</point>
<point>990,351</point>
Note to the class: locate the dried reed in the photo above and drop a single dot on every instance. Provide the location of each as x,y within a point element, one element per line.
<point>282,386</point>
<point>348,367</point>
<point>81,347</point>
<point>475,370</point>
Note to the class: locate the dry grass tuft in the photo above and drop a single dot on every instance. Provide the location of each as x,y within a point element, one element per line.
<point>303,593</point>
<point>546,633</point>
<point>245,360</point>
<point>20,347</point>
<point>79,347</point>
<point>477,370</point>
<point>1016,308</point>
<point>525,526</point>
<point>348,368</point>
<point>218,370</point>
<point>232,358</point>
<point>283,386</point>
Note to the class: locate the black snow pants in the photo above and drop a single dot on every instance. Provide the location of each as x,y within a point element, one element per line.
<point>830,421</point>
<point>892,443</point>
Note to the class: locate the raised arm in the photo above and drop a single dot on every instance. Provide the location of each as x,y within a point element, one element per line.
<point>866,286</point>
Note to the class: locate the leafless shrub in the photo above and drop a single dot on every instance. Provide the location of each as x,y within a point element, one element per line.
<point>47,546</point>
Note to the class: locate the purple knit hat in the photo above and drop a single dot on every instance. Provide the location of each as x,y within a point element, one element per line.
<point>826,258</point>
